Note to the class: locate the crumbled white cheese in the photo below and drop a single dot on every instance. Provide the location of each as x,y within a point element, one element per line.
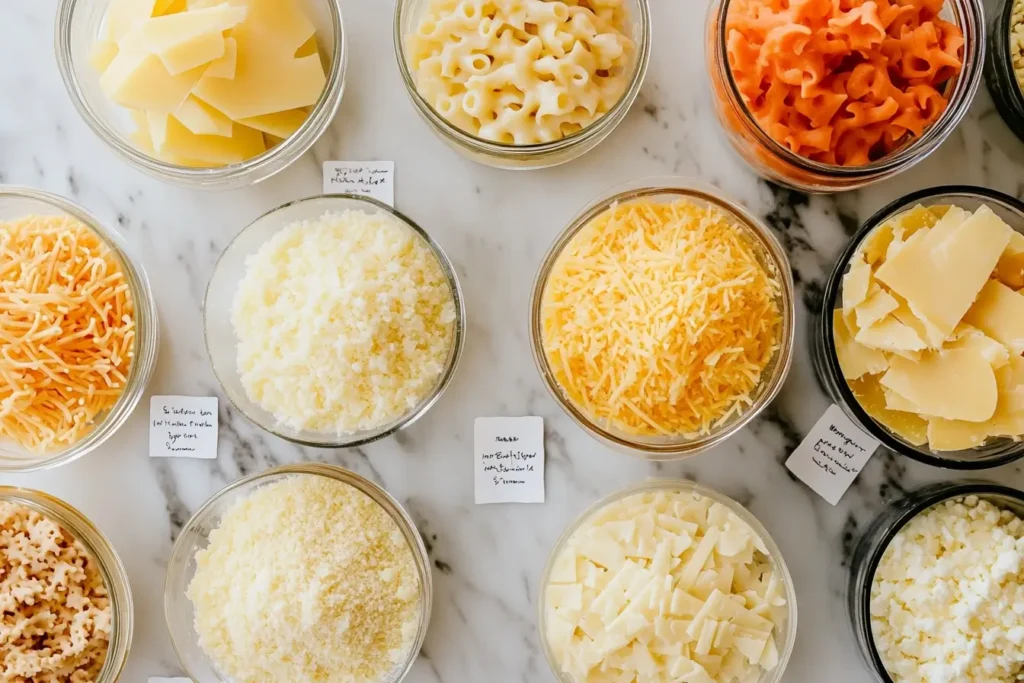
<point>664,587</point>
<point>344,324</point>
<point>947,600</point>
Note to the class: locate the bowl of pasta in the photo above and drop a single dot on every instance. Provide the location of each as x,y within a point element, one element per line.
<point>846,95</point>
<point>522,83</point>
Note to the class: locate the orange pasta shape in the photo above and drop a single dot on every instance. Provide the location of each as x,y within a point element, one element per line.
<point>842,81</point>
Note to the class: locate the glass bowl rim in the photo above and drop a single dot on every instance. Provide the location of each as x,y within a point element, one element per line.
<point>683,188</point>
<point>375,492</point>
<point>959,102</point>
<point>264,164</point>
<point>932,495</point>
<point>687,486</point>
<point>111,568</point>
<point>501,149</point>
<point>444,379</point>
<point>829,300</point>
<point>1002,58</point>
<point>147,335</point>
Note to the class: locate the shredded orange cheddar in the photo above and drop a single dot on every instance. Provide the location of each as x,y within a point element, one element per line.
<point>67,328</point>
<point>658,319</point>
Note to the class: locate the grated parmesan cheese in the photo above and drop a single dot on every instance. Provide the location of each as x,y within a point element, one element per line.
<point>67,329</point>
<point>658,318</point>
<point>344,324</point>
<point>306,580</point>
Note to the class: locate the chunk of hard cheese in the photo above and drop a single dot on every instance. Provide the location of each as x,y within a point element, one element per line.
<point>999,312</point>
<point>956,384</point>
<point>216,150</point>
<point>185,40</point>
<point>940,274</point>
<point>139,80</point>
<point>281,124</point>
<point>890,335</point>
<point>202,119</point>
<point>874,308</point>
<point>855,359</point>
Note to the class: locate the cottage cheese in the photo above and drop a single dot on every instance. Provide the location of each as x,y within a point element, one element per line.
<point>947,601</point>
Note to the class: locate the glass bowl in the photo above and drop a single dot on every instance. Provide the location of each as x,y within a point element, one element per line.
<point>823,348</point>
<point>115,579</point>
<point>774,161</point>
<point>524,157</point>
<point>17,202</point>
<point>771,255</point>
<point>784,639</point>
<point>876,539</point>
<point>221,344</point>
<point>999,73</point>
<point>78,26</point>
<point>195,535</point>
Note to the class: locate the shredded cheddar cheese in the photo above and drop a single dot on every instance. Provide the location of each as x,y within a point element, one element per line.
<point>67,327</point>
<point>658,319</point>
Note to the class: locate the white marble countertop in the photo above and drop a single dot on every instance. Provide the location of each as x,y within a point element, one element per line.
<point>495,226</point>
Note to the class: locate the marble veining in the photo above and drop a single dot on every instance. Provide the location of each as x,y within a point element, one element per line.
<point>495,227</point>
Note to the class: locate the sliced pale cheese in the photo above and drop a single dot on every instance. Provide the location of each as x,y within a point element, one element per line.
<point>280,22</point>
<point>202,119</point>
<point>940,275</point>
<point>957,384</point>
<point>185,40</point>
<point>102,54</point>
<point>890,335</point>
<point>162,7</point>
<point>855,285</point>
<point>957,435</point>
<point>141,81</point>
<point>895,401</point>
<point>855,359</point>
<point>280,124</point>
<point>874,308</point>
<point>224,66</point>
<point>875,245</point>
<point>243,144</point>
<point>141,136</point>
<point>308,48</point>
<point>999,312</point>
<point>926,331</point>
<point>157,124</point>
<point>1010,269</point>
<point>967,337</point>
<point>122,15</point>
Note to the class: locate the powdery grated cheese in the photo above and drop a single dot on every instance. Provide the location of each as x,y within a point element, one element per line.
<point>343,324</point>
<point>306,580</point>
<point>658,318</point>
<point>67,331</point>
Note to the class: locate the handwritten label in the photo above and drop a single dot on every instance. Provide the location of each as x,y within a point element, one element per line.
<point>509,459</point>
<point>832,455</point>
<point>183,427</point>
<point>371,178</point>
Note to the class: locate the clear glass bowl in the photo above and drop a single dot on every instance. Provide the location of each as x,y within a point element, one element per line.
<point>115,579</point>
<point>769,252</point>
<point>999,73</point>
<point>221,342</point>
<point>77,28</point>
<point>823,349</point>
<point>772,160</point>
<point>876,539</point>
<point>784,640</point>
<point>195,535</point>
<point>524,157</point>
<point>17,202</point>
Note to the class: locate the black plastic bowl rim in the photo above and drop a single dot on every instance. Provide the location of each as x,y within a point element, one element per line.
<point>831,360</point>
<point>893,519</point>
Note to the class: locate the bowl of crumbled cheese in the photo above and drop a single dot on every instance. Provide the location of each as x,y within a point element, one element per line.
<point>78,331</point>
<point>667,581</point>
<point>299,573</point>
<point>334,321</point>
<point>65,602</point>
<point>936,586</point>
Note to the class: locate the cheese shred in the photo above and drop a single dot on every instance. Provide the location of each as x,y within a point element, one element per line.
<point>67,331</point>
<point>658,318</point>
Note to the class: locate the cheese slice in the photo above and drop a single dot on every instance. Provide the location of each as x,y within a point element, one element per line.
<point>874,308</point>
<point>957,384</point>
<point>102,54</point>
<point>140,81</point>
<point>999,312</point>
<point>243,144</point>
<point>185,40</point>
<point>855,285</point>
<point>855,360</point>
<point>202,119</point>
<point>875,245</point>
<point>157,124</point>
<point>1010,269</point>
<point>224,66</point>
<point>308,48</point>
<point>871,396</point>
<point>280,124</point>
<point>164,7</point>
<point>1007,421</point>
<point>895,401</point>
<point>967,337</point>
<point>890,335</point>
<point>122,15</point>
<point>940,274</point>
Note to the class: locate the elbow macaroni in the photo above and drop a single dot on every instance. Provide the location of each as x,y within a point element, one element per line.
<point>522,71</point>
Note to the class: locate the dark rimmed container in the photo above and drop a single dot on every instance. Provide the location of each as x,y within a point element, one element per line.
<point>999,74</point>
<point>876,539</point>
<point>823,348</point>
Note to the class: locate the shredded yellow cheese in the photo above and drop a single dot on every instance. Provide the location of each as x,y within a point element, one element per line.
<point>67,328</point>
<point>658,319</point>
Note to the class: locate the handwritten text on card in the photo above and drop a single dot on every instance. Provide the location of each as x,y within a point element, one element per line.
<point>183,427</point>
<point>509,459</point>
<point>370,178</point>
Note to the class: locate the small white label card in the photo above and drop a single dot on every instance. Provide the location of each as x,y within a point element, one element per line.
<point>183,427</point>
<point>371,178</point>
<point>508,459</point>
<point>832,455</point>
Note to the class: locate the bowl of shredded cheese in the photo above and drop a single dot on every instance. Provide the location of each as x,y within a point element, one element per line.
<point>78,331</point>
<point>299,573</point>
<point>67,604</point>
<point>662,319</point>
<point>334,321</point>
<point>667,580</point>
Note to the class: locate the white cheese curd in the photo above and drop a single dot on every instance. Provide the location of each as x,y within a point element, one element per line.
<point>947,599</point>
<point>664,587</point>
